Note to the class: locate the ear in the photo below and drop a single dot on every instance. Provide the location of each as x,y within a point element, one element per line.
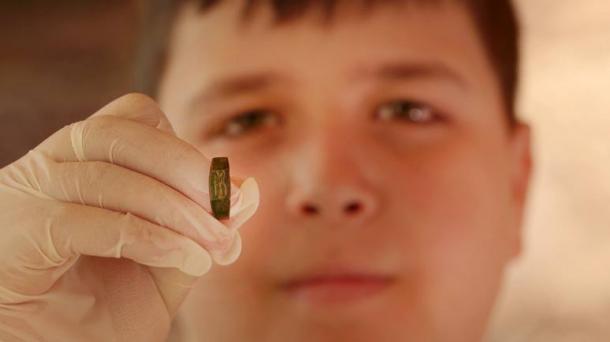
<point>521,170</point>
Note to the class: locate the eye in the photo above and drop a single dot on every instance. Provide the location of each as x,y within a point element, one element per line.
<point>409,111</point>
<point>247,121</point>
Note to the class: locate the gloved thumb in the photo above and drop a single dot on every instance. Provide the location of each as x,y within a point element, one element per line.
<point>175,285</point>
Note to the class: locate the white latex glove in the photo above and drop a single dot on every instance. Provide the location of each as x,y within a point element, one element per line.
<point>106,225</point>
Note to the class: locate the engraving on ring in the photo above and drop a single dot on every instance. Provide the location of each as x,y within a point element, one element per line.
<point>220,186</point>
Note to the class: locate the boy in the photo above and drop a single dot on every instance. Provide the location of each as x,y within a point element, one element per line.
<point>392,170</point>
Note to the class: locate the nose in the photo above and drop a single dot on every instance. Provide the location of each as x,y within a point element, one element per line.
<point>330,184</point>
<point>340,203</point>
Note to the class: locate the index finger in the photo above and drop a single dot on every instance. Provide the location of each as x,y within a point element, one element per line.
<point>134,133</point>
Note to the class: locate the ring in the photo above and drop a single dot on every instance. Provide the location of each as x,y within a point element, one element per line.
<point>220,187</point>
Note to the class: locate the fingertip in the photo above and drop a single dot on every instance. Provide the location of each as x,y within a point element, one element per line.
<point>251,190</point>
<point>247,205</point>
<point>231,254</point>
<point>137,107</point>
<point>197,261</point>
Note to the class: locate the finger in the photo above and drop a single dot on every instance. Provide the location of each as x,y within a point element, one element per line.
<point>133,107</point>
<point>231,254</point>
<point>82,230</point>
<point>109,186</point>
<point>246,205</point>
<point>136,146</point>
<point>139,108</point>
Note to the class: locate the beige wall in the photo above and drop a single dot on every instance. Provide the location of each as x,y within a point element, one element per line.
<point>560,289</point>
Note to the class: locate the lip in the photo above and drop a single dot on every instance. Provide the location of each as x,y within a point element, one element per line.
<point>337,287</point>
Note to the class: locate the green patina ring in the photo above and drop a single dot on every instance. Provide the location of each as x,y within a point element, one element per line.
<point>220,187</point>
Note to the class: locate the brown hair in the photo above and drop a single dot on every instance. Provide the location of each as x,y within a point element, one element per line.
<point>495,21</point>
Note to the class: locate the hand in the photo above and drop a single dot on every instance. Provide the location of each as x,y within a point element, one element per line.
<point>106,225</point>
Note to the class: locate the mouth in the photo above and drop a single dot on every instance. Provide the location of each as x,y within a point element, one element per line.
<point>337,287</point>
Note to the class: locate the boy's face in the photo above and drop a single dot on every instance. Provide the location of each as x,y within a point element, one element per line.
<point>423,212</point>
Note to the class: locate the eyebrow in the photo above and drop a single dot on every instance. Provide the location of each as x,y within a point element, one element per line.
<point>239,85</point>
<point>404,71</point>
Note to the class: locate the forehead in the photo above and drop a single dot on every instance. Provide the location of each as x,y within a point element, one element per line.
<point>220,42</point>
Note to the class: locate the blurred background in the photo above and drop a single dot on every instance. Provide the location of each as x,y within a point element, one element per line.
<point>62,60</point>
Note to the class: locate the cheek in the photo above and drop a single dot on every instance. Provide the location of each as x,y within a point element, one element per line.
<point>458,201</point>
<point>455,197</point>
<point>454,193</point>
